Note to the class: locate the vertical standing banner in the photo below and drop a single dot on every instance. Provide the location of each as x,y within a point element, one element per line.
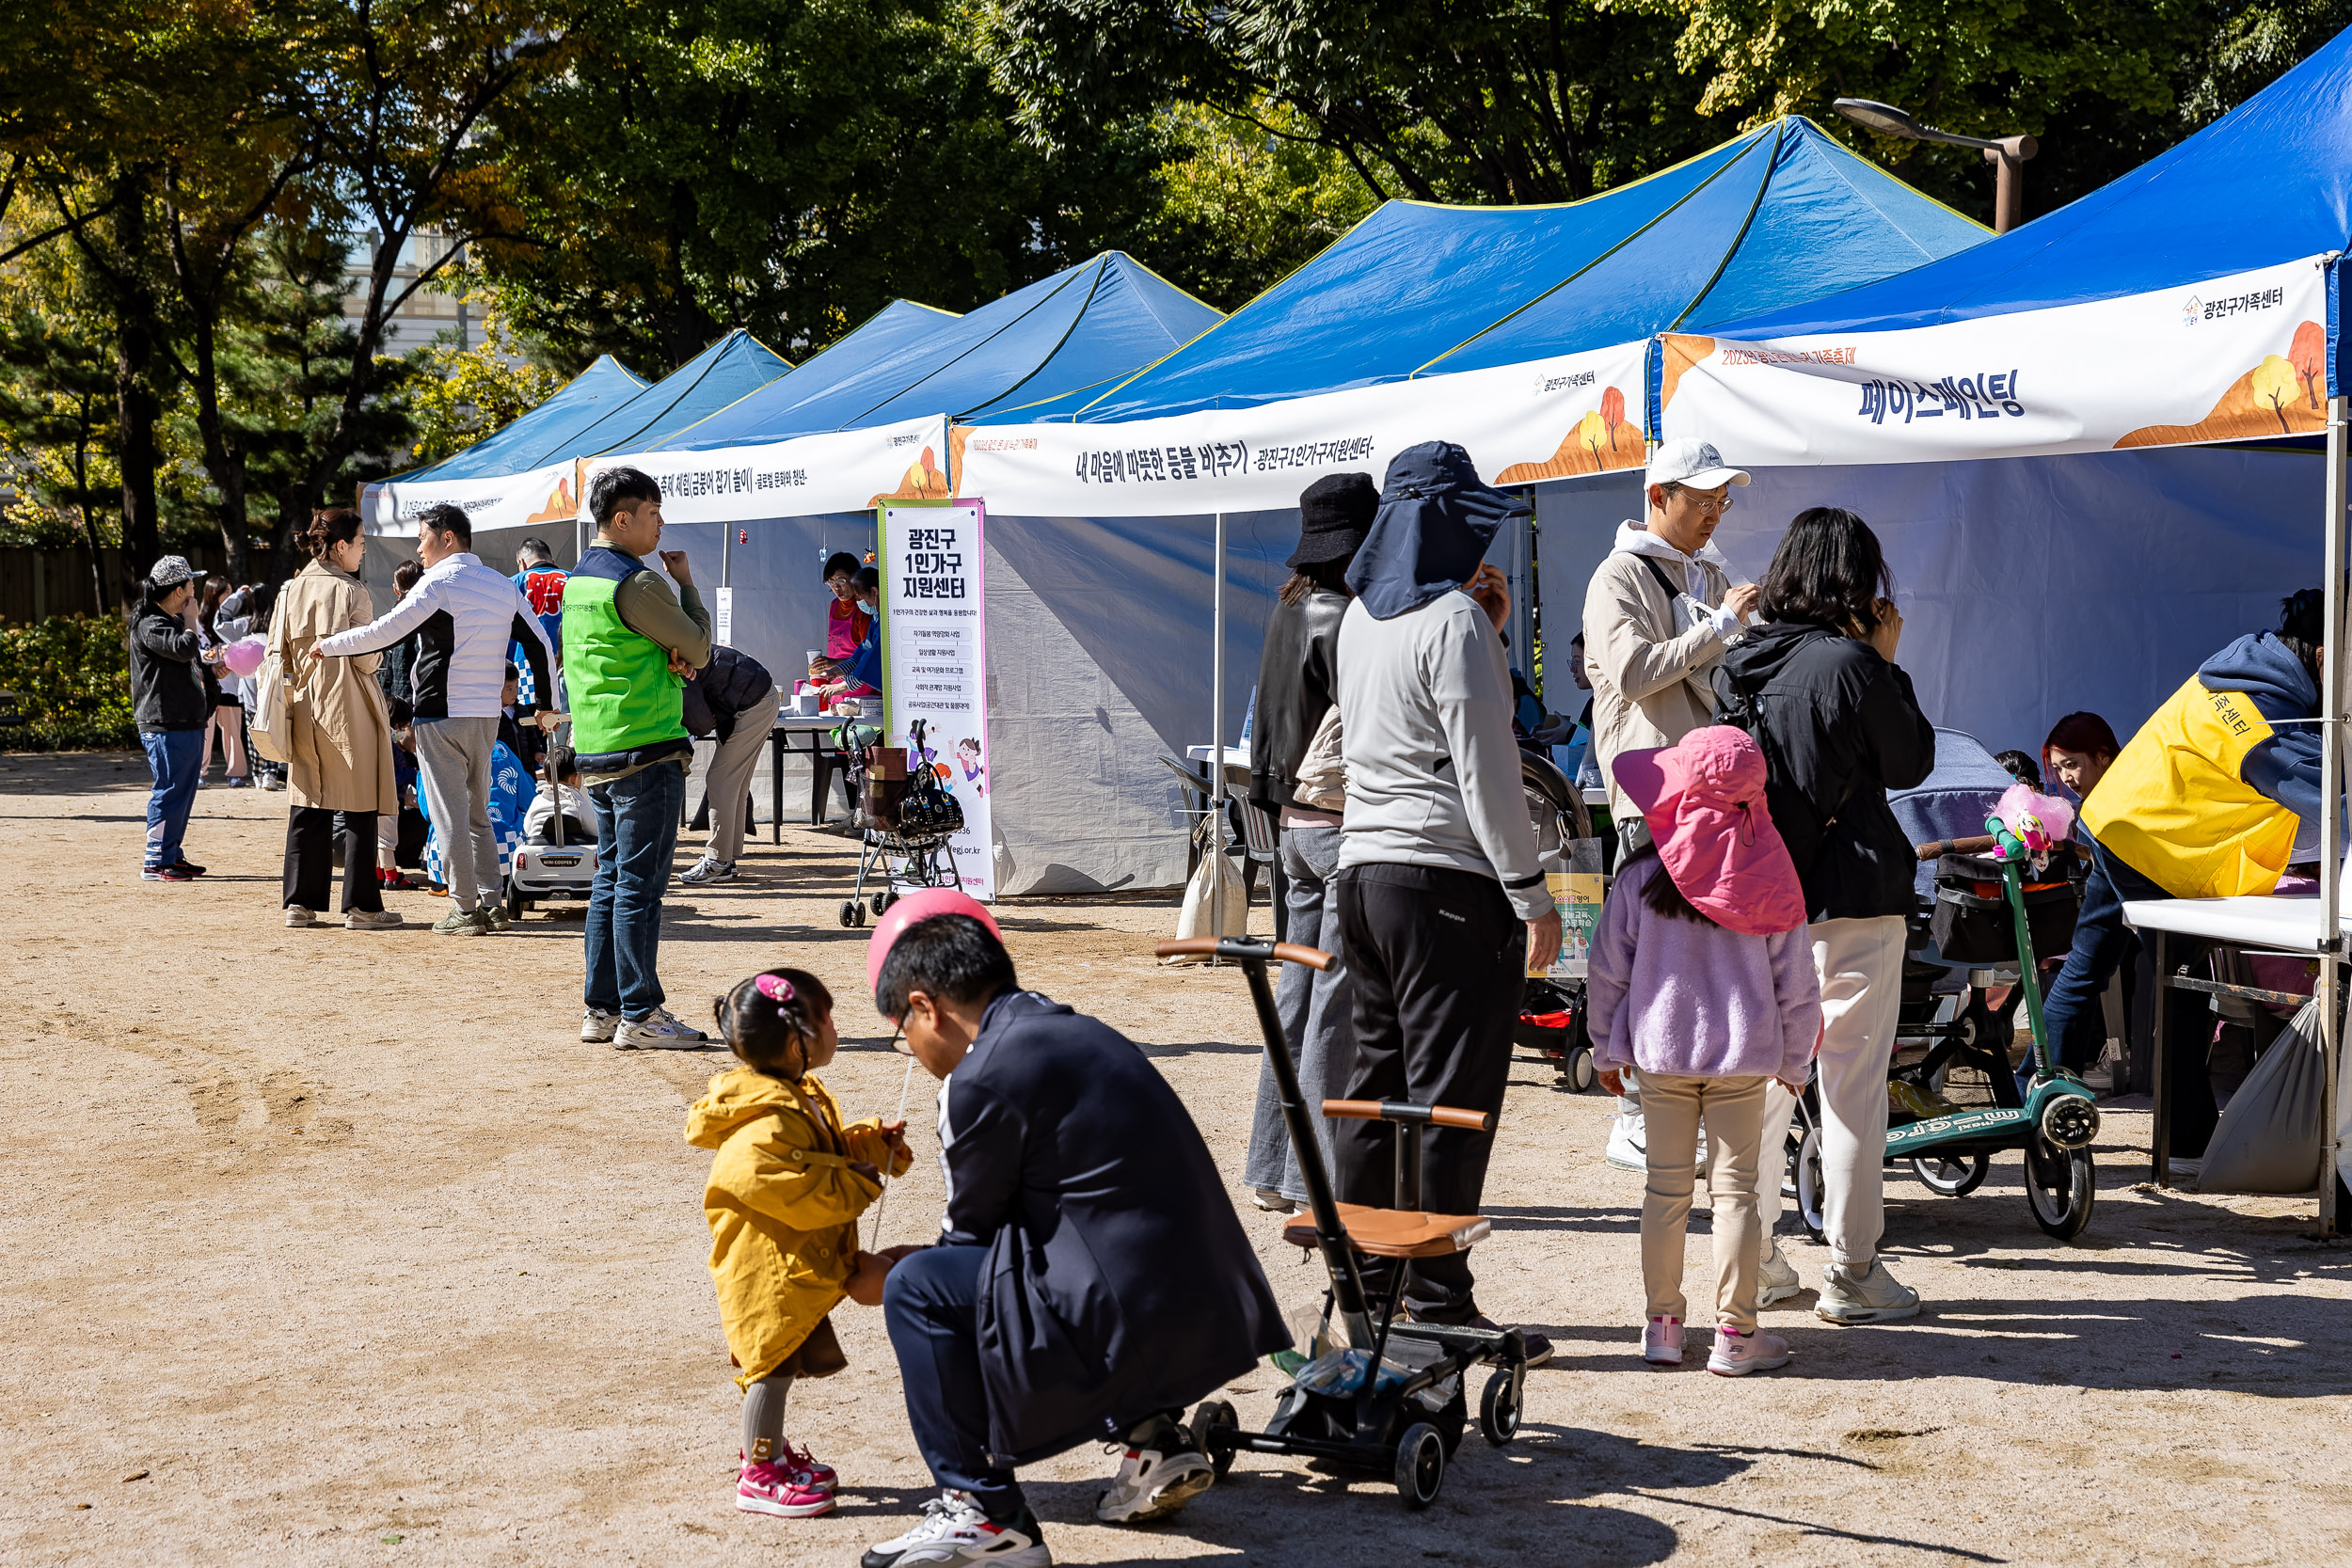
<point>935,661</point>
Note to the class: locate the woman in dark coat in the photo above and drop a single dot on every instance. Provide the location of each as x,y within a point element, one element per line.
<point>1819,687</point>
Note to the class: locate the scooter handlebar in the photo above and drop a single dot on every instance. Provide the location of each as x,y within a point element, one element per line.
<point>1236,948</point>
<point>1396,1110</point>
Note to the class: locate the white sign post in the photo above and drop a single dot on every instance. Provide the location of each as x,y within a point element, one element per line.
<point>935,661</point>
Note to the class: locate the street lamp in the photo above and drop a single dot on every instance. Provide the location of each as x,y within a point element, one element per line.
<point>2008,155</point>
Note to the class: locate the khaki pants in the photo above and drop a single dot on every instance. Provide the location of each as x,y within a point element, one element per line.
<point>729,781</point>
<point>1733,1109</point>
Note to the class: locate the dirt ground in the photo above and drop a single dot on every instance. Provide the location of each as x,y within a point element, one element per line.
<point>334,1246</point>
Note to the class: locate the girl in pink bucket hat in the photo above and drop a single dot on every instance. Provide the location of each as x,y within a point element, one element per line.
<point>1702,979</point>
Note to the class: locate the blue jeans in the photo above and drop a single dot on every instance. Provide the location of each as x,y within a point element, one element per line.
<point>1316,1010</point>
<point>636,840</point>
<point>176,758</point>
<point>930,1307</point>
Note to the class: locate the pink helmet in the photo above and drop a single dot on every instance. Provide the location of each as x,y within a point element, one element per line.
<point>922,905</point>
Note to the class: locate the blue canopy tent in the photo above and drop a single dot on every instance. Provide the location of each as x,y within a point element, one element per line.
<point>2143,489</point>
<point>1519,332</point>
<point>728,371</point>
<point>544,435</point>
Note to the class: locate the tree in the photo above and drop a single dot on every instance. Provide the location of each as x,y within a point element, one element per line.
<point>461,395</point>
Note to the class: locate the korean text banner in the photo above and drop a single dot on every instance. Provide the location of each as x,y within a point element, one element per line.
<point>936,663</point>
<point>1547,419</point>
<point>546,495</point>
<point>845,470</point>
<point>2231,360</point>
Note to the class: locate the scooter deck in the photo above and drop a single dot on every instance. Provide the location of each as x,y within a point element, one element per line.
<point>1991,1126</point>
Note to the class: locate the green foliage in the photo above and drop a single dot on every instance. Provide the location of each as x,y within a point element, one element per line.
<point>71,675</point>
<point>460,395</point>
<point>1243,206</point>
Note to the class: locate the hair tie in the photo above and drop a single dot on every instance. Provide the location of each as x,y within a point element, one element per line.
<point>775,988</point>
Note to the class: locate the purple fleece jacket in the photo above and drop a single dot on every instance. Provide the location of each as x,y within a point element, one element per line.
<point>1687,999</point>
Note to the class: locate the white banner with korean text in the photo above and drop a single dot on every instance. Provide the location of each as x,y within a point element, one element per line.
<point>1549,419</point>
<point>934,649</point>
<point>2234,358</point>
<point>549,496</point>
<point>847,471</point>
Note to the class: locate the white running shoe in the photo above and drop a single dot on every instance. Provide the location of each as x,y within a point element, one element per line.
<point>1273,1202</point>
<point>659,1030</point>
<point>1628,1143</point>
<point>1737,1355</point>
<point>1776,1277</point>
<point>1661,1342</point>
<point>1155,1479</point>
<point>596,1026</point>
<point>708,870</point>
<point>954,1531</point>
<point>1870,1297</point>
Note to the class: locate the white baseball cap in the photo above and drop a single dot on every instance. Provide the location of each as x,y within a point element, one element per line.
<point>1692,462</point>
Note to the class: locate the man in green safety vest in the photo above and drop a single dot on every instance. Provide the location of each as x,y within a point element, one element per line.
<point>627,649</point>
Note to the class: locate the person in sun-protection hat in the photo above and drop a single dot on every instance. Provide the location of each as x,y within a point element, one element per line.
<point>1090,1279</point>
<point>1442,904</point>
<point>1294,767</point>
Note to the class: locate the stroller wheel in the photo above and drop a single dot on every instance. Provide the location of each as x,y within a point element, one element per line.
<point>852,913</point>
<point>1214,1415</point>
<point>882,903</point>
<point>1577,1070</point>
<point>1420,1465</point>
<point>1500,1407</point>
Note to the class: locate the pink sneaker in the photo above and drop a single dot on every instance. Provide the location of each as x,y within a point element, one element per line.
<point>787,1494</point>
<point>819,1474</point>
<point>1662,1342</point>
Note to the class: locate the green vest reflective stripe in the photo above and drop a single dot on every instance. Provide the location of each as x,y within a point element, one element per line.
<point>622,693</point>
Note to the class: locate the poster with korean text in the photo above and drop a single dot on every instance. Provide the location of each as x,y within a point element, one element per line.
<point>935,662</point>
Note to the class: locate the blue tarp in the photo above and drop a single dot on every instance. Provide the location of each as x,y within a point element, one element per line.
<point>1082,328</point>
<point>587,398</point>
<point>1780,215</point>
<point>733,368</point>
<point>2268,182</point>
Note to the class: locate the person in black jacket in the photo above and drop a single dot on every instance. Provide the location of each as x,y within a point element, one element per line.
<point>1819,686</point>
<point>1090,1279</point>
<point>170,704</point>
<point>1297,685</point>
<point>732,700</point>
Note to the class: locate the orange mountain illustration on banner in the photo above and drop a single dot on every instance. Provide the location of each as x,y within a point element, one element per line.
<point>1599,441</point>
<point>2284,394</point>
<point>1681,352</point>
<point>924,482</point>
<point>562,505</point>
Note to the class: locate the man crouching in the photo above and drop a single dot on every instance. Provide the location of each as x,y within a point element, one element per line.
<point>1090,1279</point>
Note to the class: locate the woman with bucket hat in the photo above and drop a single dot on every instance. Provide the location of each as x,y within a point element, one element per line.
<point>1702,978</point>
<point>1293,779</point>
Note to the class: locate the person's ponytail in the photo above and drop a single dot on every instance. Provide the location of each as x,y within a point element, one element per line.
<point>340,526</point>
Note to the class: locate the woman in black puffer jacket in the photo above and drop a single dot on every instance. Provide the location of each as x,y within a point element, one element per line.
<point>1840,727</point>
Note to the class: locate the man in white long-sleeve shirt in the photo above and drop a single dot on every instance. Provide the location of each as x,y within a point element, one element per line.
<point>1441,899</point>
<point>467,614</point>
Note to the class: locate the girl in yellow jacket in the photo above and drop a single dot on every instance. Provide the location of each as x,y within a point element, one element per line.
<point>787,1186</point>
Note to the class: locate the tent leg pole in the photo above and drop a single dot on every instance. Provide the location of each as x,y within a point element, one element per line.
<point>1217,738</point>
<point>2331,713</point>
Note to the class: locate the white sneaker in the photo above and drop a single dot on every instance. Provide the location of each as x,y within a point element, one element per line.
<point>1628,1143</point>
<point>1872,1297</point>
<point>953,1530</point>
<point>1737,1355</point>
<point>1776,1277</point>
<point>1661,1342</point>
<point>1272,1201</point>
<point>596,1026</point>
<point>659,1030</point>
<point>371,920</point>
<point>1155,1479</point>
<point>297,917</point>
<point>708,870</point>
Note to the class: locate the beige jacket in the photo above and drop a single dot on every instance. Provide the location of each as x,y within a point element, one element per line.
<point>1646,662</point>
<point>338,729</point>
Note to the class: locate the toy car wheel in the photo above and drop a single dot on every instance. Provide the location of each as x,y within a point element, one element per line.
<point>1500,1407</point>
<point>1420,1465</point>
<point>1214,1415</point>
<point>1577,1071</point>
<point>2060,1185</point>
<point>515,904</point>
<point>1810,1182</point>
<point>850,911</point>
<point>1952,1175</point>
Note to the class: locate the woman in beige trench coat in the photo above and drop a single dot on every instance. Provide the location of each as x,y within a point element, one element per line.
<point>338,739</point>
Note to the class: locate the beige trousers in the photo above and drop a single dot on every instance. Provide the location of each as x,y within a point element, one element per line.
<point>1733,1109</point>
<point>733,762</point>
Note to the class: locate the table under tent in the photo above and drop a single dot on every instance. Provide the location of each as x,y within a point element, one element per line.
<point>1521,333</point>
<point>523,482</point>
<point>2099,448</point>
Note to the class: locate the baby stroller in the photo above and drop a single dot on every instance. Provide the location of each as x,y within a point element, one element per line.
<point>1392,1398</point>
<point>1552,1012</point>
<point>906,817</point>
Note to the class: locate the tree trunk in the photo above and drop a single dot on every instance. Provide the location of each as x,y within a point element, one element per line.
<point>136,407</point>
<point>89,517</point>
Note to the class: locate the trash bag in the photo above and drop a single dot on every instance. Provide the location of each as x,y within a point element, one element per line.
<point>2268,1140</point>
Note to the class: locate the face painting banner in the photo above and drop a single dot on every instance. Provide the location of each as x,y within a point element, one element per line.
<point>2231,360</point>
<point>845,470</point>
<point>1547,419</point>
<point>544,495</point>
<point>936,663</point>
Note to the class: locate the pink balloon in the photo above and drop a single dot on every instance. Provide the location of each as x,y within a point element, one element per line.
<point>921,905</point>
<point>244,654</point>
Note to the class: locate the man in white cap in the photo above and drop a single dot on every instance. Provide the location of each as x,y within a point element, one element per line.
<point>1657,613</point>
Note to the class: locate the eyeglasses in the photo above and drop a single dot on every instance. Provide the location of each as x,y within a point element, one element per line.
<point>1717,502</point>
<point>898,1037</point>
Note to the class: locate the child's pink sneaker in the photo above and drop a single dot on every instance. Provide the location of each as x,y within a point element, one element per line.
<point>1662,1342</point>
<point>819,1474</point>
<point>787,1494</point>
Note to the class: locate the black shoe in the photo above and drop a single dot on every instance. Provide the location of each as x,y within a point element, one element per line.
<point>191,868</point>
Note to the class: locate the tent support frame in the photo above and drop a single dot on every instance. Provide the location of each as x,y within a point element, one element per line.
<point>1217,742</point>
<point>2332,714</point>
